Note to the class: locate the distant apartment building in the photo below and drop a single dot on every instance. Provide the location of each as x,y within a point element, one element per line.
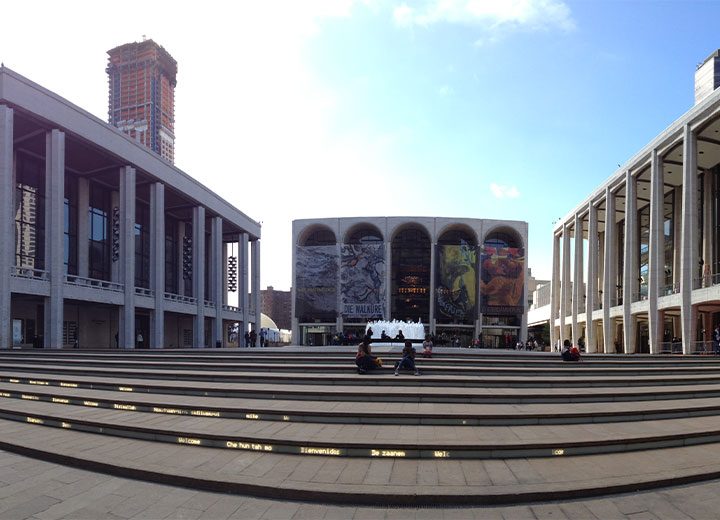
<point>142,78</point>
<point>277,306</point>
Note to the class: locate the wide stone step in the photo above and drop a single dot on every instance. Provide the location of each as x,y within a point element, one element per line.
<point>395,441</point>
<point>377,481</point>
<point>365,412</point>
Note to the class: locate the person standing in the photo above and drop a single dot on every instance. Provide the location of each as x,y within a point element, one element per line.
<point>247,339</point>
<point>253,338</point>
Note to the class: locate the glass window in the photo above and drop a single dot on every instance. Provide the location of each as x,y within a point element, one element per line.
<point>30,213</point>
<point>99,219</point>
<point>411,275</point>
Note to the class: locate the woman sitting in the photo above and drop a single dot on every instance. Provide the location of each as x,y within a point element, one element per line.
<point>427,346</point>
<point>364,359</point>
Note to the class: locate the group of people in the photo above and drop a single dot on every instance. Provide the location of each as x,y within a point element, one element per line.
<point>367,362</point>
<point>252,337</point>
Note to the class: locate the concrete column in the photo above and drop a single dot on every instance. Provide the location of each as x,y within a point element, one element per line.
<point>565,284</point>
<point>433,266</point>
<point>157,262</point>
<point>339,321</point>
<point>630,267</point>
<point>609,276</point>
<point>656,252</point>
<point>689,242</point>
<point>127,257</point>
<point>707,246</point>
<point>54,235</point>
<point>7,223</point>
<point>388,281</point>
<point>243,285</point>
<point>256,296</point>
<point>578,291</point>
<point>83,226</point>
<point>592,281</point>
<point>217,280</point>
<point>198,270</point>
<point>677,234</point>
<point>554,291</point>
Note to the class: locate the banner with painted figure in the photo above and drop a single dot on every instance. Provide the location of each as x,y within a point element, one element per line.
<point>502,280</point>
<point>316,278</point>
<point>456,282</point>
<point>362,280</point>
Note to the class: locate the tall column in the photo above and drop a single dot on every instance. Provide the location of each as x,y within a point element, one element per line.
<point>83,226</point>
<point>656,251</point>
<point>257,302</point>
<point>554,291</point>
<point>7,223</point>
<point>388,281</point>
<point>677,234</point>
<point>243,286</point>
<point>630,271</point>
<point>217,280</point>
<point>433,252</point>
<point>689,258</point>
<point>198,248</point>
<point>127,256</point>
<point>577,279</point>
<point>707,246</point>
<point>157,261</point>
<point>592,281</point>
<point>339,322</point>
<point>54,235</point>
<point>566,284</point>
<point>609,276</point>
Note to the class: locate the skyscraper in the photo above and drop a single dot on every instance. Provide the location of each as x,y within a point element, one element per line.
<point>707,76</point>
<point>142,79</point>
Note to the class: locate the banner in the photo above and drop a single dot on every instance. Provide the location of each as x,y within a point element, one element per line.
<point>316,279</point>
<point>362,280</point>
<point>456,282</point>
<point>502,280</point>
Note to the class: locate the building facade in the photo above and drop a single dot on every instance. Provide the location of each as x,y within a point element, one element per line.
<point>142,78</point>
<point>636,265</point>
<point>459,277</point>
<point>103,244</point>
<point>277,305</point>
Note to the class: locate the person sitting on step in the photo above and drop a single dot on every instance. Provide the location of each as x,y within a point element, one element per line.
<point>364,359</point>
<point>408,359</point>
<point>570,352</point>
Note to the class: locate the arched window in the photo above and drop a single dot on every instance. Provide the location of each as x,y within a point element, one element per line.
<point>364,235</point>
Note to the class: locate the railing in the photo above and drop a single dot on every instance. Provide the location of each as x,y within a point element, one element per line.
<point>144,292</point>
<point>667,290</point>
<point>180,298</point>
<point>105,285</point>
<point>30,272</point>
<point>209,304</point>
<point>231,308</point>
<point>703,348</point>
<point>707,280</point>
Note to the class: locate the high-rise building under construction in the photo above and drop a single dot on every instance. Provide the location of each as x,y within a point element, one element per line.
<point>142,78</point>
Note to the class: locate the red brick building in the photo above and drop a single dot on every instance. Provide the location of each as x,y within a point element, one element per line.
<point>276,305</point>
<point>142,79</point>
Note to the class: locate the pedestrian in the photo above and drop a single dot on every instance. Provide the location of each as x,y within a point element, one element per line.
<point>262,338</point>
<point>408,359</point>
<point>253,338</point>
<point>247,339</point>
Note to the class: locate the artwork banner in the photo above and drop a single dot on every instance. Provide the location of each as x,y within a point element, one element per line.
<point>502,280</point>
<point>316,279</point>
<point>456,282</point>
<point>362,280</point>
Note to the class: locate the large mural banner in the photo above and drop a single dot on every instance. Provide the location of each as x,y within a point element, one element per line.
<point>316,278</point>
<point>502,279</point>
<point>362,280</point>
<point>456,282</point>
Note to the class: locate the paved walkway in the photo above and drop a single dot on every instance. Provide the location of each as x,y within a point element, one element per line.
<point>32,489</point>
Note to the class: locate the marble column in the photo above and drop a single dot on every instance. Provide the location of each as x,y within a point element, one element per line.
<point>127,331</point>
<point>554,291</point>
<point>578,291</point>
<point>54,235</point>
<point>656,251</point>
<point>689,240</point>
<point>256,296</point>
<point>630,267</point>
<point>157,262</point>
<point>243,285</point>
<point>388,281</point>
<point>217,280</point>
<point>592,281</point>
<point>566,284</point>
<point>198,253</point>
<point>7,224</point>
<point>433,254</point>
<point>609,276</point>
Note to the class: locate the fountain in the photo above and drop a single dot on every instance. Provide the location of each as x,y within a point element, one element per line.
<point>410,330</point>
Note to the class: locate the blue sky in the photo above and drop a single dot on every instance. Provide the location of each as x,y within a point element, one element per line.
<point>322,108</point>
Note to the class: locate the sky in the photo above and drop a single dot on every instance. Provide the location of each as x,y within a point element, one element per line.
<point>501,109</point>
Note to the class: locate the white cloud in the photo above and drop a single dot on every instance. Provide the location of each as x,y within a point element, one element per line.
<point>504,192</point>
<point>445,91</point>
<point>489,14</point>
